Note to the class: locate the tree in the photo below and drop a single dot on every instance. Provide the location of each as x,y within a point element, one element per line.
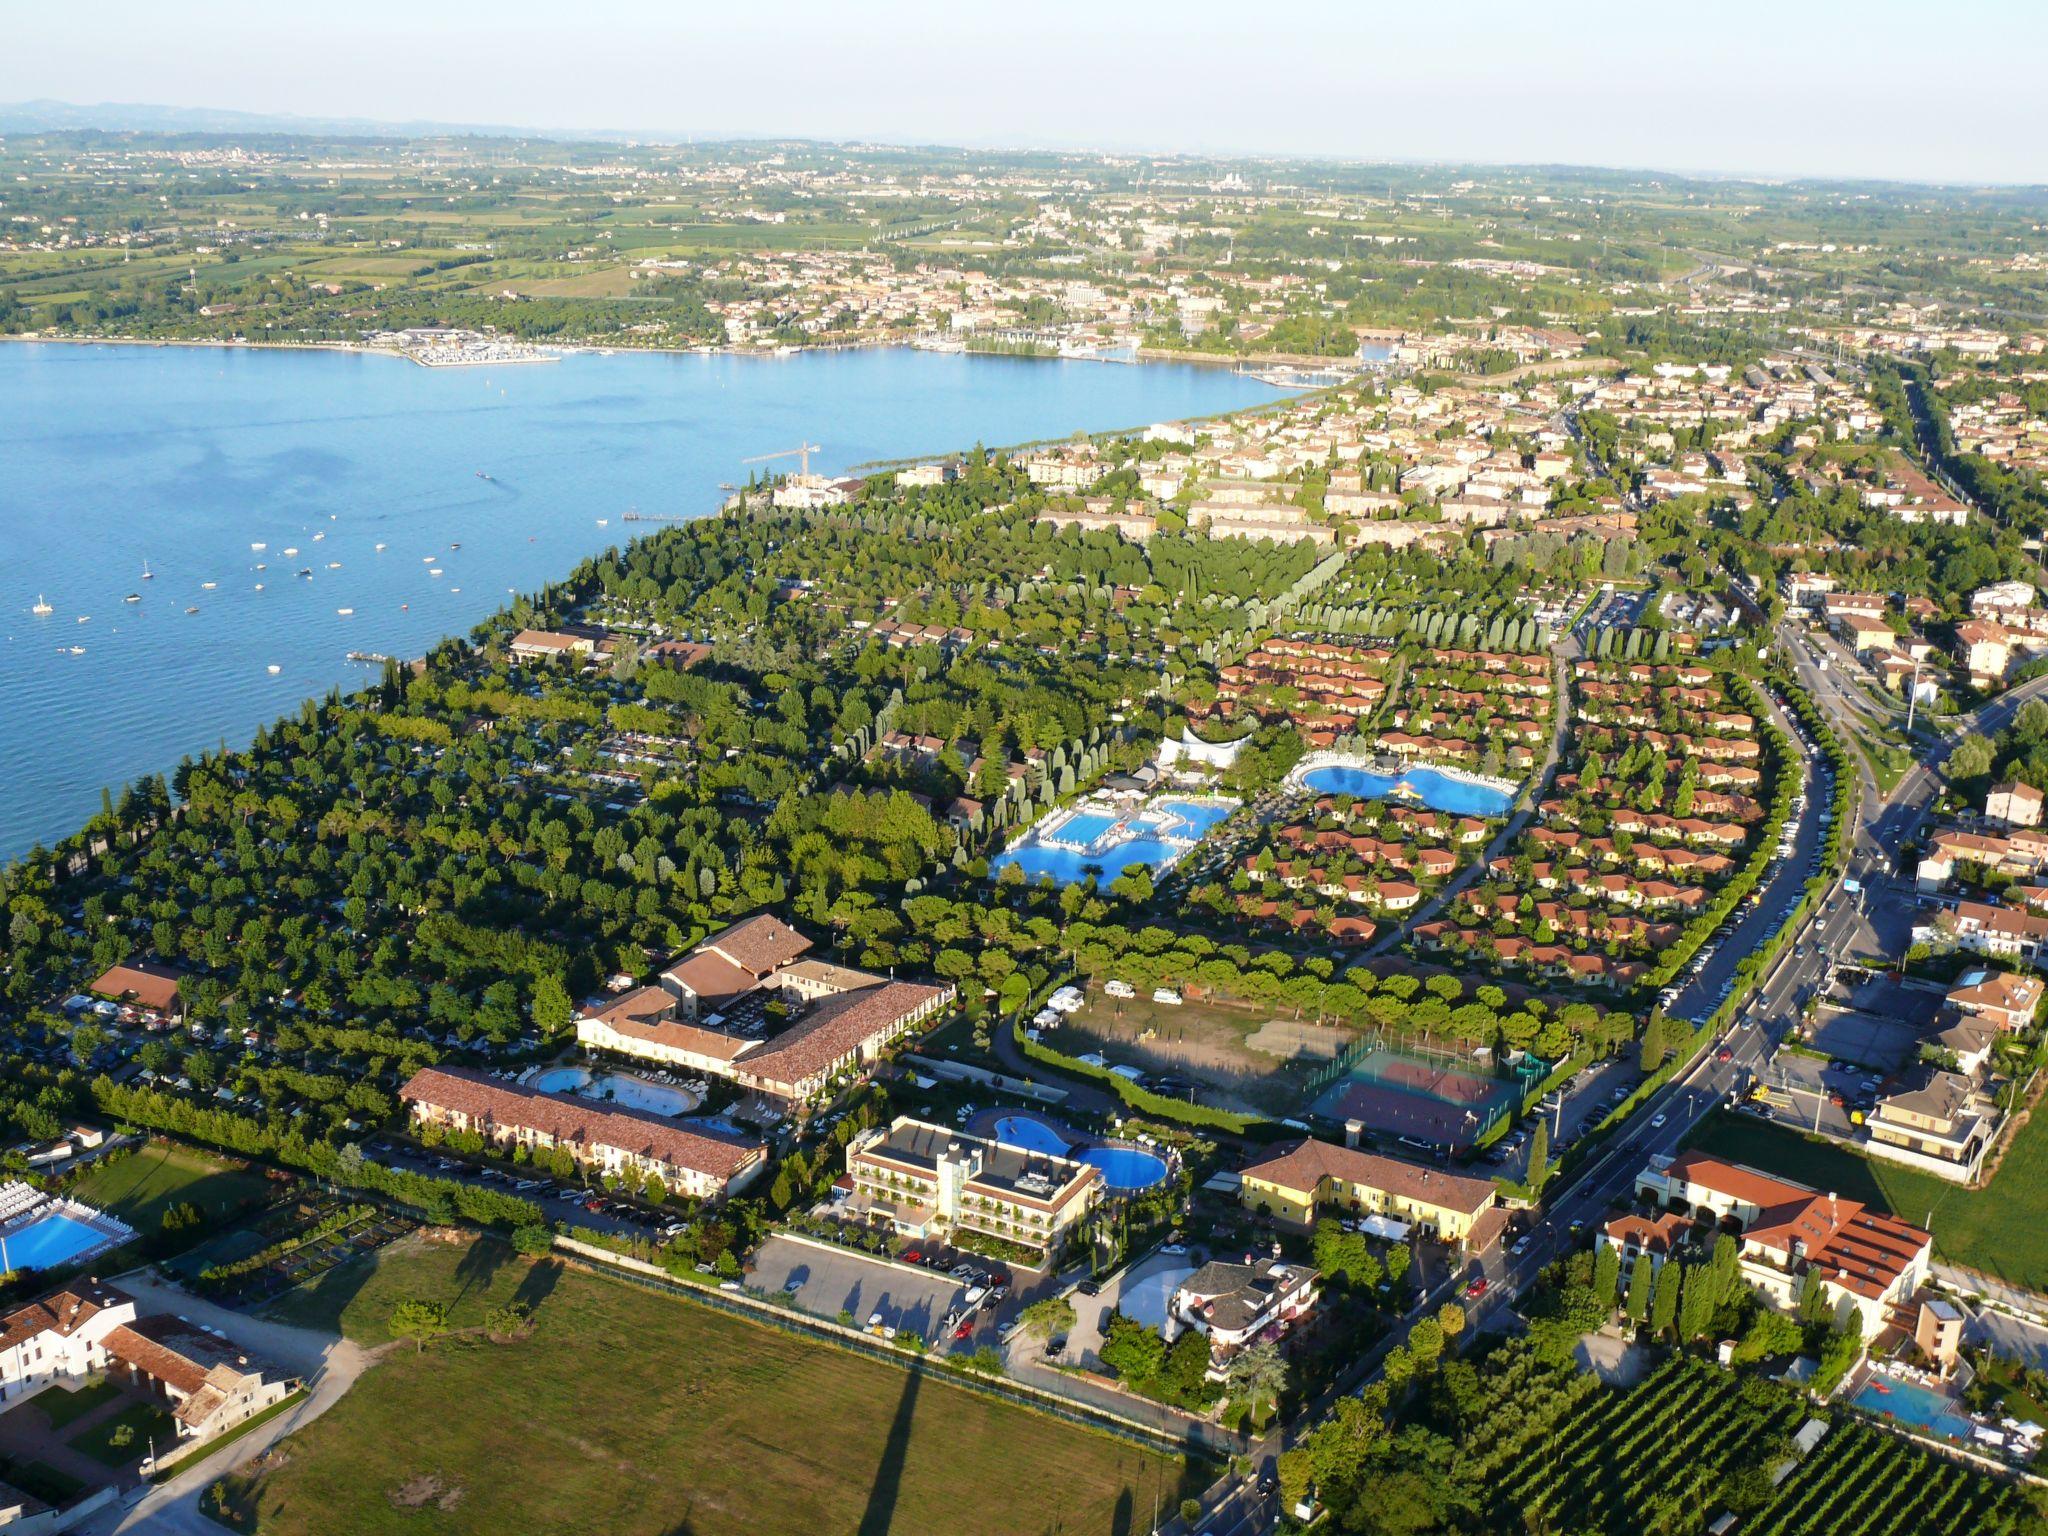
<point>1539,1155</point>
<point>1640,1279</point>
<point>1664,1297</point>
<point>1771,1334</point>
<point>552,1009</point>
<point>419,1321</point>
<point>1607,1274</point>
<point>1697,1301</point>
<point>1451,1318</point>
<point>1259,1373</point>
<point>1399,1258</point>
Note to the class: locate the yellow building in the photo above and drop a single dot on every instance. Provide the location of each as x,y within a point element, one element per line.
<point>1297,1181</point>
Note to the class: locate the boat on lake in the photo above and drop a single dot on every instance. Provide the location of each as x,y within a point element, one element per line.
<point>132,597</point>
<point>41,606</point>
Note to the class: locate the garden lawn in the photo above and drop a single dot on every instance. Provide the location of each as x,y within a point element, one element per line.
<point>148,1421</point>
<point>640,1414</point>
<point>141,1187</point>
<point>59,1407</point>
<point>2001,1229</point>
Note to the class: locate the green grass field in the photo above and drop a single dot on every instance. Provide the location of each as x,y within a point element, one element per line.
<point>141,1187</point>
<point>638,1414</point>
<point>2001,1230</point>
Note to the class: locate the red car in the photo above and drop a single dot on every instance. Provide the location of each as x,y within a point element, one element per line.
<point>913,1257</point>
<point>1477,1288</point>
<point>964,1329</point>
<point>1724,1054</point>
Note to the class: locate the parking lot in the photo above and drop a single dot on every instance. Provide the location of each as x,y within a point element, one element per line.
<point>828,1281</point>
<point>559,1200</point>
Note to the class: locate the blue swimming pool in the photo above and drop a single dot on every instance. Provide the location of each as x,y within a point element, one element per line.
<point>1084,827</point>
<point>1438,790</point>
<point>1031,1135</point>
<point>1162,833</point>
<point>1126,1168</point>
<point>48,1242</point>
<point>1911,1403</point>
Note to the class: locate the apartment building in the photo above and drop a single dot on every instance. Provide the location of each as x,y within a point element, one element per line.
<point>926,1180</point>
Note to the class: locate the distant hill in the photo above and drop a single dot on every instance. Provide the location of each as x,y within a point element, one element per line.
<point>45,116</point>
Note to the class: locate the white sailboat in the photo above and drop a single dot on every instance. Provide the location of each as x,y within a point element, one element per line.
<point>42,606</point>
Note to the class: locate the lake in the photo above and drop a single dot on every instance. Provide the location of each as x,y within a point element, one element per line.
<point>185,458</point>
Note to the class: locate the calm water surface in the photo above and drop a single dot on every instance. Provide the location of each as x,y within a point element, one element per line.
<point>183,458</point>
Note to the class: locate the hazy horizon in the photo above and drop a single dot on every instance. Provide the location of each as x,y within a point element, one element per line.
<point>1815,92</point>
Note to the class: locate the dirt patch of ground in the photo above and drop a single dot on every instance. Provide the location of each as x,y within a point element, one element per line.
<point>425,1491</point>
<point>1247,1058</point>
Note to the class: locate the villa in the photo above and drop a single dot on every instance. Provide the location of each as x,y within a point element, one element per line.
<point>925,1180</point>
<point>1237,1304</point>
<point>631,1143</point>
<point>95,1330</point>
<point>1864,1260</point>
<point>1298,1181</point>
<point>712,1009</point>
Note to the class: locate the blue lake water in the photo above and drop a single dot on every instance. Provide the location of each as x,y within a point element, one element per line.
<point>184,457</point>
<point>1435,789</point>
<point>55,1239</point>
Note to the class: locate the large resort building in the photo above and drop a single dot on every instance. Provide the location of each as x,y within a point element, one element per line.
<point>747,1006</point>
<point>1791,1237</point>
<point>926,1180</point>
<point>604,1139</point>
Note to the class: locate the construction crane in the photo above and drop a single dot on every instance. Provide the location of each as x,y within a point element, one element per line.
<point>802,453</point>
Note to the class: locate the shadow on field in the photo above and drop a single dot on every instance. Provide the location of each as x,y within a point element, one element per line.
<point>480,1264</point>
<point>880,1516</point>
<point>538,1285</point>
<point>1120,1517</point>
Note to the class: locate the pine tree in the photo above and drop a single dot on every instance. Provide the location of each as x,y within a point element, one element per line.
<point>1607,1274</point>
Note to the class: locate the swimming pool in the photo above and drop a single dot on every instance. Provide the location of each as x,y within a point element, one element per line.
<point>1438,790</point>
<point>622,1088</point>
<point>1911,1403</point>
<point>1156,837</point>
<point>49,1241</point>
<point>1083,828</point>
<point>1030,1135</point>
<point>1126,1168</point>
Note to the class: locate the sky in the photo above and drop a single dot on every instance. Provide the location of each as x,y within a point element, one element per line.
<point>1950,92</point>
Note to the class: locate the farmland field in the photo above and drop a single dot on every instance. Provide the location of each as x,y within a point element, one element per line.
<point>629,1412</point>
<point>1666,1455</point>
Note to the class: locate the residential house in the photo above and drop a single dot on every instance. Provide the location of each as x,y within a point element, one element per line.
<point>1793,1236</point>
<point>1237,1305</point>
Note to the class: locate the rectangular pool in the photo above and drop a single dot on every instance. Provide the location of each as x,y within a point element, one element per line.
<point>49,1241</point>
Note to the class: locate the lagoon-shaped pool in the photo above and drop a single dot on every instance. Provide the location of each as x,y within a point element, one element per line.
<point>621,1088</point>
<point>1440,791</point>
